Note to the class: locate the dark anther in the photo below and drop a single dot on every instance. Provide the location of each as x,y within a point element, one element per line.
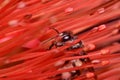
<point>27,16</point>
<point>4,76</point>
<point>78,72</point>
<point>91,69</point>
<point>86,60</point>
<point>66,62</point>
<point>82,53</point>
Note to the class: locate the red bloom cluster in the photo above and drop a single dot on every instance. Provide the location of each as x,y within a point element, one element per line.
<point>59,39</point>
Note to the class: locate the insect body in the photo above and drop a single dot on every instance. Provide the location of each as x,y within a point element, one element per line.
<point>76,46</point>
<point>62,39</point>
<point>87,60</point>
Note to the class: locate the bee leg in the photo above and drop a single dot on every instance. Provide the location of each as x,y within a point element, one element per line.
<point>51,46</point>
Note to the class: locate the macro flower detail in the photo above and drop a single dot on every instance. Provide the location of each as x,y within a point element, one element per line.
<point>59,39</point>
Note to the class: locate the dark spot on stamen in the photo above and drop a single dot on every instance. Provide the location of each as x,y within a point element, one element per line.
<point>27,16</point>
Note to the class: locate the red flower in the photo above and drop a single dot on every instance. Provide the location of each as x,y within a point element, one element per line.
<point>59,39</point>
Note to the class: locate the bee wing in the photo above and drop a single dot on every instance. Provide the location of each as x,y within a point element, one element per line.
<point>49,39</point>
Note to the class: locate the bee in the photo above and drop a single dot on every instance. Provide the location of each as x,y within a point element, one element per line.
<point>60,41</point>
<point>62,38</point>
